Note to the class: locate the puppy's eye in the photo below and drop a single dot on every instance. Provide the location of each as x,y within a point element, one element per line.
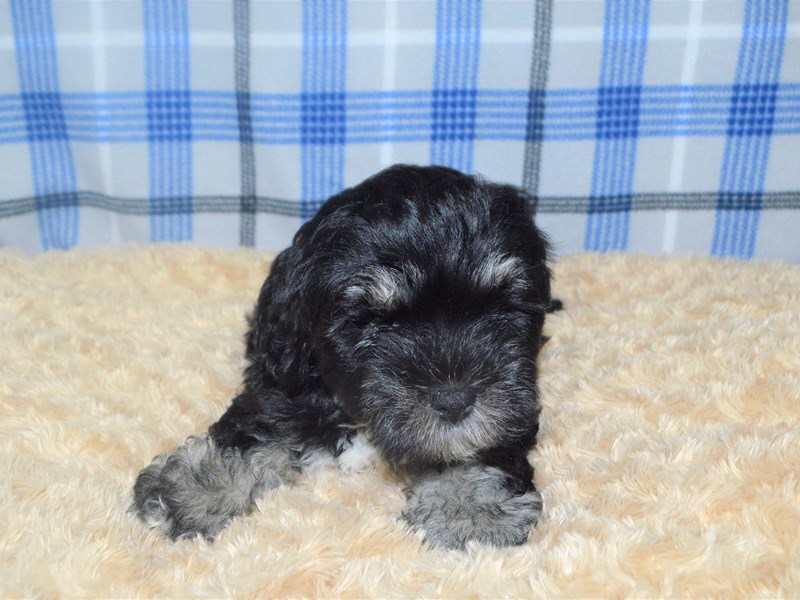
<point>381,324</point>
<point>390,323</point>
<point>526,306</point>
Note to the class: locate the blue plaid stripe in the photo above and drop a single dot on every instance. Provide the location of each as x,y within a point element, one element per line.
<point>169,119</point>
<point>45,129</point>
<point>500,114</point>
<point>617,123</point>
<point>455,82</point>
<point>665,111</point>
<point>751,123</point>
<point>322,114</point>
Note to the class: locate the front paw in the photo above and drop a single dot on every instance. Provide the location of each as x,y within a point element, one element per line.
<point>469,503</point>
<point>195,490</point>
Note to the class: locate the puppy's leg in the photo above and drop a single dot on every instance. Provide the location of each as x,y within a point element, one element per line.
<point>203,484</point>
<point>481,502</point>
<point>282,415</point>
<point>199,487</point>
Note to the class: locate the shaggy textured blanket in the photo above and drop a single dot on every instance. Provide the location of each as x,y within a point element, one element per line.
<point>669,454</point>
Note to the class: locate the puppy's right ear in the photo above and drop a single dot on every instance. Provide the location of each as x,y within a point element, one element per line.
<point>283,315</point>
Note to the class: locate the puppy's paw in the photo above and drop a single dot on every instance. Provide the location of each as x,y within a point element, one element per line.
<point>195,490</point>
<point>469,503</point>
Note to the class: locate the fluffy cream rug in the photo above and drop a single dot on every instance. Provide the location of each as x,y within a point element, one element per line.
<point>669,456</point>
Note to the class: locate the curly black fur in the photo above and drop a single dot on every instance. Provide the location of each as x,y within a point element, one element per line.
<point>409,309</point>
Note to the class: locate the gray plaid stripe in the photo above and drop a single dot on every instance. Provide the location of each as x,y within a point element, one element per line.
<point>540,63</point>
<point>247,223</point>
<point>661,201</point>
<point>142,206</point>
<point>260,204</point>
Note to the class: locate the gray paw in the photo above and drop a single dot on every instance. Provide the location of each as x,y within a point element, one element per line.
<point>198,488</point>
<point>471,503</point>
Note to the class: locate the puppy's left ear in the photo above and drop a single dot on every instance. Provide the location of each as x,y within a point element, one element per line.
<point>513,207</point>
<point>516,207</point>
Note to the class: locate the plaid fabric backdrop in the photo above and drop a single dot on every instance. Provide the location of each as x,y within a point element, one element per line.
<point>661,126</point>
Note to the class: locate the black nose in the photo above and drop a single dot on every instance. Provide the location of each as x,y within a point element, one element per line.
<point>453,404</point>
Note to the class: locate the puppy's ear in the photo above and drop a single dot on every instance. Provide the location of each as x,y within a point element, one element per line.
<point>282,320</point>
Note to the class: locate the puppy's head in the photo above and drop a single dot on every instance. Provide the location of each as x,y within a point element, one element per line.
<point>431,339</point>
<point>440,369</point>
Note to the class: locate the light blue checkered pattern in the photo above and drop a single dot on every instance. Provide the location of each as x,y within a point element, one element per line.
<point>637,125</point>
<point>323,122</point>
<point>750,127</point>
<point>617,126</point>
<point>169,118</point>
<point>455,84</point>
<point>52,167</point>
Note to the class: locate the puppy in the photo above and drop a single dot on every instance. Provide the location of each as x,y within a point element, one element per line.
<point>406,318</point>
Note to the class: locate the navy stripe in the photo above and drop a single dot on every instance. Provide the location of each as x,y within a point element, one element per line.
<point>455,83</point>
<point>169,118</point>
<point>617,123</point>
<point>40,109</point>
<point>322,106</point>
<point>751,122</point>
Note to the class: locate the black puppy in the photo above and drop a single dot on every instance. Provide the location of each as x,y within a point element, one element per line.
<point>405,318</point>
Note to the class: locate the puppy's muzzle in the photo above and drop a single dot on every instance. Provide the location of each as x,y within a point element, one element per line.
<point>453,404</point>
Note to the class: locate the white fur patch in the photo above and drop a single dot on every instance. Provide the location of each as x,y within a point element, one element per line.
<point>378,286</point>
<point>499,269</point>
<point>359,455</point>
<point>383,287</point>
<point>317,459</point>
